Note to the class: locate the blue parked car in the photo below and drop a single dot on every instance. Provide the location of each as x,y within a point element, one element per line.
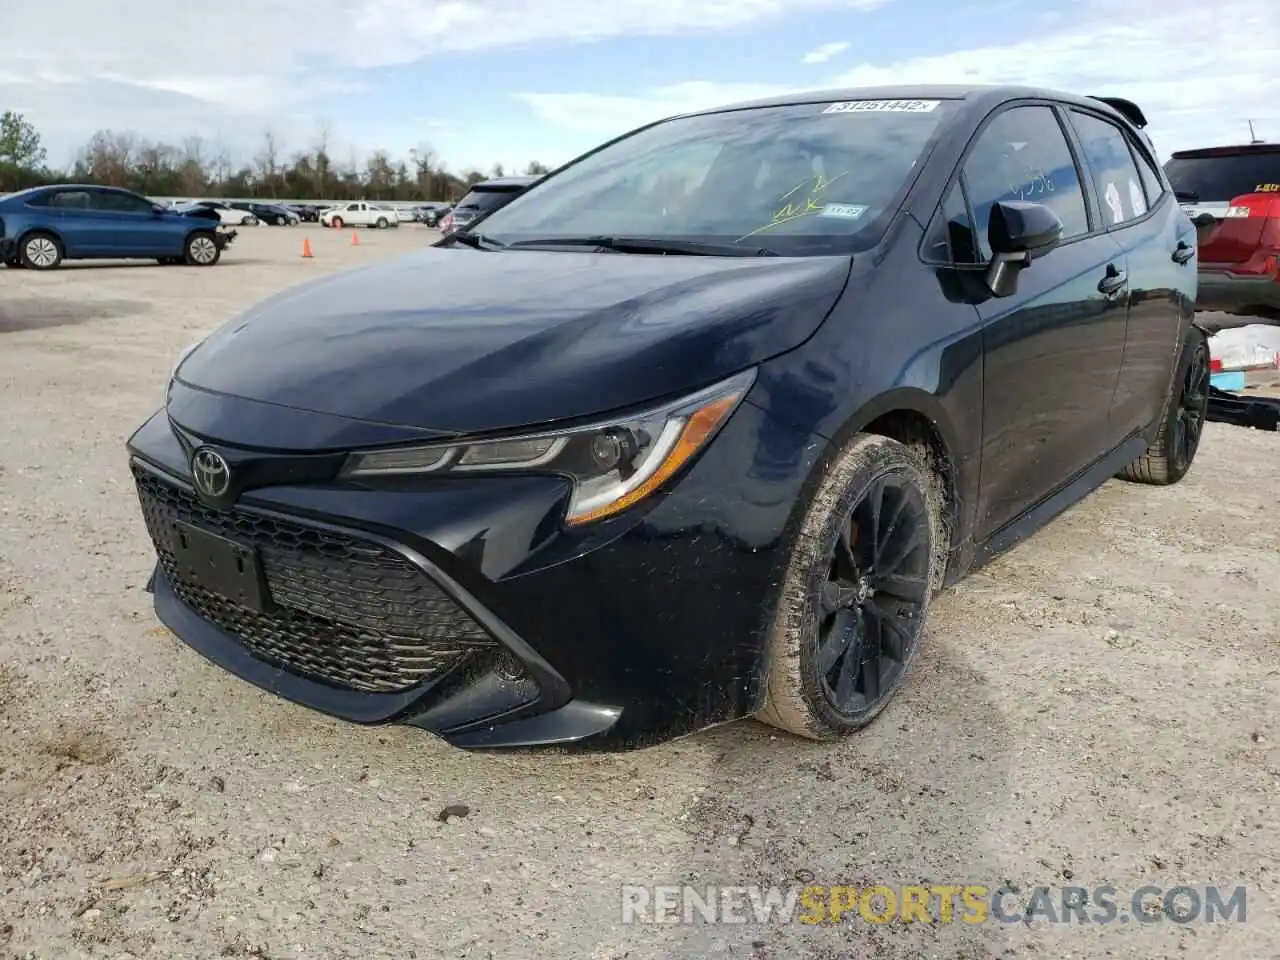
<point>41,227</point>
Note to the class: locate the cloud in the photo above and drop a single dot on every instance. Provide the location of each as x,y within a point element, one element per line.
<point>825,52</point>
<point>294,52</point>
<point>1156,55</point>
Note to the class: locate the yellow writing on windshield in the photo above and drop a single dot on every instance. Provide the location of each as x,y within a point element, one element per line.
<point>794,207</point>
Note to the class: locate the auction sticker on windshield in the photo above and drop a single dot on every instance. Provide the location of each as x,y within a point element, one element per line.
<point>883,106</point>
<point>849,211</point>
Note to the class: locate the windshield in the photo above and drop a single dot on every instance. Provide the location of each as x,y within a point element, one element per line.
<point>1220,177</point>
<point>805,179</point>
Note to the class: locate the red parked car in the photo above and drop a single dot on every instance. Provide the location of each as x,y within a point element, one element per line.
<point>1232,195</point>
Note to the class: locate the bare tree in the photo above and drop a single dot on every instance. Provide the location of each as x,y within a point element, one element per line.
<point>267,160</point>
<point>324,136</point>
<point>379,174</point>
<point>108,158</point>
<point>221,165</point>
<point>194,175</point>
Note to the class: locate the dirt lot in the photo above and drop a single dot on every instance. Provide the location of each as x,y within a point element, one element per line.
<point>1099,706</point>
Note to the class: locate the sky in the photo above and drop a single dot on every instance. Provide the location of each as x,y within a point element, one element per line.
<point>481,82</point>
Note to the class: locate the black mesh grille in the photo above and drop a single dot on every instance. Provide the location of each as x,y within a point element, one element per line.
<point>347,612</point>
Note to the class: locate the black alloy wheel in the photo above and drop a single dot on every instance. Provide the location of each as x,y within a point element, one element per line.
<point>1193,406</point>
<point>871,606</point>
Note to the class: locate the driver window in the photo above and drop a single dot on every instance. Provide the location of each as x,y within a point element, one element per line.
<point>1023,155</point>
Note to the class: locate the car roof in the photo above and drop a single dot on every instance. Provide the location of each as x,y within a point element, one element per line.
<point>504,183</point>
<point>980,94</point>
<point>1199,153</point>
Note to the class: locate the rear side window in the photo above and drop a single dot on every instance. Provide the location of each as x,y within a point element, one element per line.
<point>120,203</point>
<point>1218,177</point>
<point>1150,176</point>
<point>70,200</point>
<point>1115,176</point>
<point>1023,155</point>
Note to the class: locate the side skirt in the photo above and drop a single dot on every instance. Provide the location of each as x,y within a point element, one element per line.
<point>1070,493</point>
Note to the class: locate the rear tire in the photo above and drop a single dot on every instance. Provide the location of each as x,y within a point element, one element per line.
<point>1182,420</point>
<point>41,251</point>
<point>851,608</point>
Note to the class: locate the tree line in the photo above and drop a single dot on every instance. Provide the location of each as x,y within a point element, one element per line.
<point>197,168</point>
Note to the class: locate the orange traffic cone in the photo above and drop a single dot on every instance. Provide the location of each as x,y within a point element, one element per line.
<point>355,238</point>
<point>306,248</point>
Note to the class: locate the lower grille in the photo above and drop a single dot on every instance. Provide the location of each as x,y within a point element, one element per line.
<point>347,612</point>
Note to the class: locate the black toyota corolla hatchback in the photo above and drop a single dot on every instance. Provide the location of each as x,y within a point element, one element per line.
<point>692,430</point>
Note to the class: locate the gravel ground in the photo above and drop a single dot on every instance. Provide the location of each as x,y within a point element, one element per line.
<point>1098,706</point>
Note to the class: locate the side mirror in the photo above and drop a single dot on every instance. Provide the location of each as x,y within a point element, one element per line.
<point>1018,233</point>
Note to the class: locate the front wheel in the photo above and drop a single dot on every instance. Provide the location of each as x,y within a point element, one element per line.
<point>852,605</point>
<point>382,223</point>
<point>1182,421</point>
<point>41,251</point>
<point>202,250</point>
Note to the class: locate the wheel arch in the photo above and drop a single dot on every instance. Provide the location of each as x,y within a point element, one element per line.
<point>26,234</point>
<point>918,419</point>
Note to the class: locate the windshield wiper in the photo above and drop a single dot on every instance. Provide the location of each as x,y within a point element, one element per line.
<point>692,248</point>
<point>477,241</point>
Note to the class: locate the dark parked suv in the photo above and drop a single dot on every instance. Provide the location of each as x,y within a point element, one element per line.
<point>1232,195</point>
<point>483,198</point>
<point>691,430</point>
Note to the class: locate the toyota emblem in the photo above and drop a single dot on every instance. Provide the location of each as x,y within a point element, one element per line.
<point>211,473</point>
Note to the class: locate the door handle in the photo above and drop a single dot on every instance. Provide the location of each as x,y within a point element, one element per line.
<point>1183,253</point>
<point>1114,283</point>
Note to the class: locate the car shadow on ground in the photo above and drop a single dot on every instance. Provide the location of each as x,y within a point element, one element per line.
<point>38,313</point>
<point>910,800</point>
<point>226,261</point>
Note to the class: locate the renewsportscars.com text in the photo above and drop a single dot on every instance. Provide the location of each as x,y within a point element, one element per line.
<point>941,903</point>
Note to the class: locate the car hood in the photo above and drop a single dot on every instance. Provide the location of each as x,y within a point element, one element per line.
<point>458,340</point>
<point>200,213</point>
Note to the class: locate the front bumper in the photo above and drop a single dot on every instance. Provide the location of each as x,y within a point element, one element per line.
<point>643,628</point>
<point>8,249</point>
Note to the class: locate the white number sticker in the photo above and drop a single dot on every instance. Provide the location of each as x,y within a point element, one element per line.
<point>883,106</point>
<point>849,211</point>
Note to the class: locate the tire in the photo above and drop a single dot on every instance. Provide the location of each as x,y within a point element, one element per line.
<point>808,690</point>
<point>382,223</point>
<point>1182,418</point>
<point>202,250</point>
<point>41,251</point>
<point>337,223</point>
<point>249,222</point>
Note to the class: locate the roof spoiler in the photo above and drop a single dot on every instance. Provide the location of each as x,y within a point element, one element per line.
<point>1126,108</point>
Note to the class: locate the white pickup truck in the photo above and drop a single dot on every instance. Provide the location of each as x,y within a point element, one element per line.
<point>359,214</point>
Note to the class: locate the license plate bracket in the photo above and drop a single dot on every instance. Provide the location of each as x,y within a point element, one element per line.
<point>220,565</point>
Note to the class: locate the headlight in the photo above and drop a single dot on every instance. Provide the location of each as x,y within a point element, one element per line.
<point>614,464</point>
